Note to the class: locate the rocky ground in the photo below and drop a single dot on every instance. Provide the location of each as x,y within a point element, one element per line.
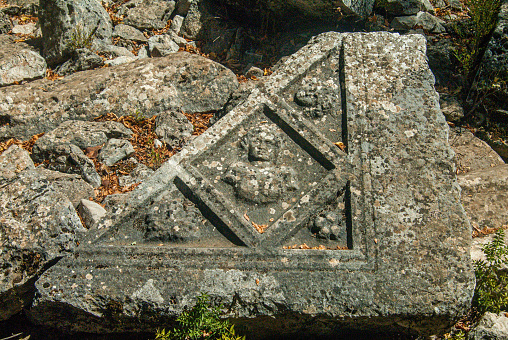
<point>79,125</point>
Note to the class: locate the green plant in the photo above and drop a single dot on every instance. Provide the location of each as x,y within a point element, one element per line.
<point>475,34</point>
<point>201,322</point>
<point>80,38</point>
<point>491,294</point>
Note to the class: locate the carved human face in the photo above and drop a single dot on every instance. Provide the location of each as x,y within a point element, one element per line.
<point>263,144</point>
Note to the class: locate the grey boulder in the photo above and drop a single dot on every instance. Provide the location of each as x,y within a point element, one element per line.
<point>426,20</point>
<point>148,86</point>
<point>39,225</point>
<point>13,161</point>
<point>127,32</point>
<point>471,153</point>
<point>485,196</point>
<point>19,62</point>
<point>82,59</point>
<point>70,24</point>
<point>91,212</point>
<point>82,134</point>
<point>173,128</point>
<point>162,45</point>
<point>406,7</point>
<point>148,14</point>
<point>68,158</point>
<point>490,327</point>
<point>115,150</point>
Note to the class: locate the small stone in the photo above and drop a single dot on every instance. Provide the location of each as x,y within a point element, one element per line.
<point>90,212</point>
<point>13,161</point>
<point>254,72</point>
<point>451,108</point>
<point>115,150</point>
<point>176,23</point>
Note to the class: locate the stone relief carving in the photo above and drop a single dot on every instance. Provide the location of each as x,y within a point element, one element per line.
<point>316,101</point>
<point>260,179</point>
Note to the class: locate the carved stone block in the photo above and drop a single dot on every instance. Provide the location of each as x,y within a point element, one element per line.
<point>326,199</point>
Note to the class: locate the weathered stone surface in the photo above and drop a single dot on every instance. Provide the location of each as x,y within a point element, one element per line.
<point>65,23</point>
<point>129,33</point>
<point>485,196</point>
<point>28,7</point>
<point>139,173</point>
<point>70,185</point>
<point>82,59</point>
<point>149,87</point>
<point>13,161</point>
<point>115,150</point>
<point>120,60</point>
<point>173,128</point>
<point>19,62</point>
<point>406,7</point>
<point>423,19</point>
<point>194,21</point>
<point>39,225</point>
<point>344,149</point>
<point>68,158</point>
<point>111,51</point>
<point>162,45</point>
<point>490,326</point>
<point>471,153</point>
<point>148,14</point>
<point>82,134</point>
<point>90,212</point>
<point>25,29</point>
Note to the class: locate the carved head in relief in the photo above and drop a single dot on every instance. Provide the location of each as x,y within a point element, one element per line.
<point>262,143</point>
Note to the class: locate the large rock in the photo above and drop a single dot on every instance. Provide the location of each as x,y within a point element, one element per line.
<point>406,7</point>
<point>70,24</point>
<point>19,62</point>
<point>70,185</point>
<point>82,59</point>
<point>471,153</point>
<point>145,87</point>
<point>148,14</point>
<point>485,196</point>
<point>343,149</point>
<point>38,226</point>
<point>491,326</point>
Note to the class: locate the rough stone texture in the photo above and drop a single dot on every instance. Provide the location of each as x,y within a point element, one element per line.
<point>19,62</point>
<point>115,150</point>
<point>13,161</point>
<point>382,202</point>
<point>5,23</point>
<point>148,86</point>
<point>82,59</point>
<point>162,45</point>
<point>139,174</point>
<point>111,51</point>
<point>82,134</point>
<point>194,21</point>
<point>25,29</point>
<point>70,185</point>
<point>471,153</point>
<point>39,225</point>
<point>173,128</point>
<point>491,326</point>
<point>406,7</point>
<point>120,61</point>
<point>426,20</point>
<point>148,14</point>
<point>28,7</point>
<point>90,212</point>
<point>129,33</point>
<point>67,21</point>
<point>485,196</point>
<point>68,158</point>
